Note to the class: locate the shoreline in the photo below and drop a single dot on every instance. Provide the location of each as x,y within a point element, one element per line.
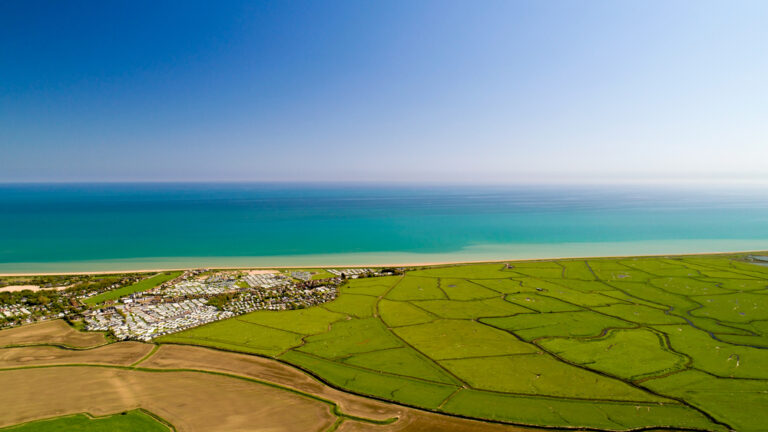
<point>410,264</point>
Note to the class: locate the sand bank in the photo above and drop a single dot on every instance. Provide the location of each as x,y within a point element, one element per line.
<point>13,288</point>
<point>257,268</point>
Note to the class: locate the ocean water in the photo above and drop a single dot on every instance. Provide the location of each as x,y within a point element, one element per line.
<point>79,227</point>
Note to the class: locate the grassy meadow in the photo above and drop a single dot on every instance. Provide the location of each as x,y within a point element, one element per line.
<point>612,344</point>
<point>129,421</point>
<point>139,286</point>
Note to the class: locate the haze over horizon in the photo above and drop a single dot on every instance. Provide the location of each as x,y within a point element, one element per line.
<point>397,91</point>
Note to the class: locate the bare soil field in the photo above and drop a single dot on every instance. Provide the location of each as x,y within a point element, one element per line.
<point>262,272</point>
<point>191,401</point>
<point>174,383</point>
<point>180,356</point>
<point>189,357</point>
<point>122,353</point>
<point>56,332</point>
<point>422,421</point>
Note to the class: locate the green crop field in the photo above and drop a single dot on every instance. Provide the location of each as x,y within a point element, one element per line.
<point>611,344</point>
<point>142,285</point>
<point>130,421</point>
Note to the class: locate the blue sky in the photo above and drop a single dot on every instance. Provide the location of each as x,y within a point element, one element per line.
<point>395,91</point>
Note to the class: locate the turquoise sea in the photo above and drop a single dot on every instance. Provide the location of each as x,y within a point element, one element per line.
<point>80,227</point>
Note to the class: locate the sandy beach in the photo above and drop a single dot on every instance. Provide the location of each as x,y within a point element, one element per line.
<point>270,269</point>
<point>14,288</point>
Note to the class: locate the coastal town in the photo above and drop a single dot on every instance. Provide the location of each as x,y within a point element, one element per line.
<point>40,298</point>
<point>193,298</point>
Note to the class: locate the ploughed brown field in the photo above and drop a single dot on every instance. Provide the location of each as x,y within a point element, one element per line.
<point>55,332</point>
<point>191,401</point>
<point>193,388</point>
<point>123,353</point>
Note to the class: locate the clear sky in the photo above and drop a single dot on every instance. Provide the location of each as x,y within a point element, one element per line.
<point>446,91</point>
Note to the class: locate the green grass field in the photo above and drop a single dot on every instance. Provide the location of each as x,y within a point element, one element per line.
<point>142,285</point>
<point>130,421</point>
<point>614,344</point>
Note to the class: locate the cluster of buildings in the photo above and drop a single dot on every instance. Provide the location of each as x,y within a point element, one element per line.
<point>250,301</point>
<point>266,280</point>
<point>195,300</point>
<point>301,275</point>
<point>145,322</point>
<point>196,288</point>
<point>14,310</point>
<point>51,300</point>
<point>350,272</point>
<point>23,312</point>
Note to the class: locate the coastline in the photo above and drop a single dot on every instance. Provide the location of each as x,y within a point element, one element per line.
<point>458,261</point>
<point>108,228</point>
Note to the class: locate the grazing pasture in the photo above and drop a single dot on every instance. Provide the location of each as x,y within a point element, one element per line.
<point>130,421</point>
<point>303,321</point>
<point>572,343</point>
<point>139,286</point>
<point>396,314</point>
<point>238,334</point>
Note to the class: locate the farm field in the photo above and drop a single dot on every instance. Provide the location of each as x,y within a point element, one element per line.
<point>229,403</point>
<point>55,332</point>
<point>607,344</point>
<point>131,386</point>
<point>142,285</point>
<point>119,354</point>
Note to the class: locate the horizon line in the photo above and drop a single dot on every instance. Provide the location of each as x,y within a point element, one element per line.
<point>518,182</point>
